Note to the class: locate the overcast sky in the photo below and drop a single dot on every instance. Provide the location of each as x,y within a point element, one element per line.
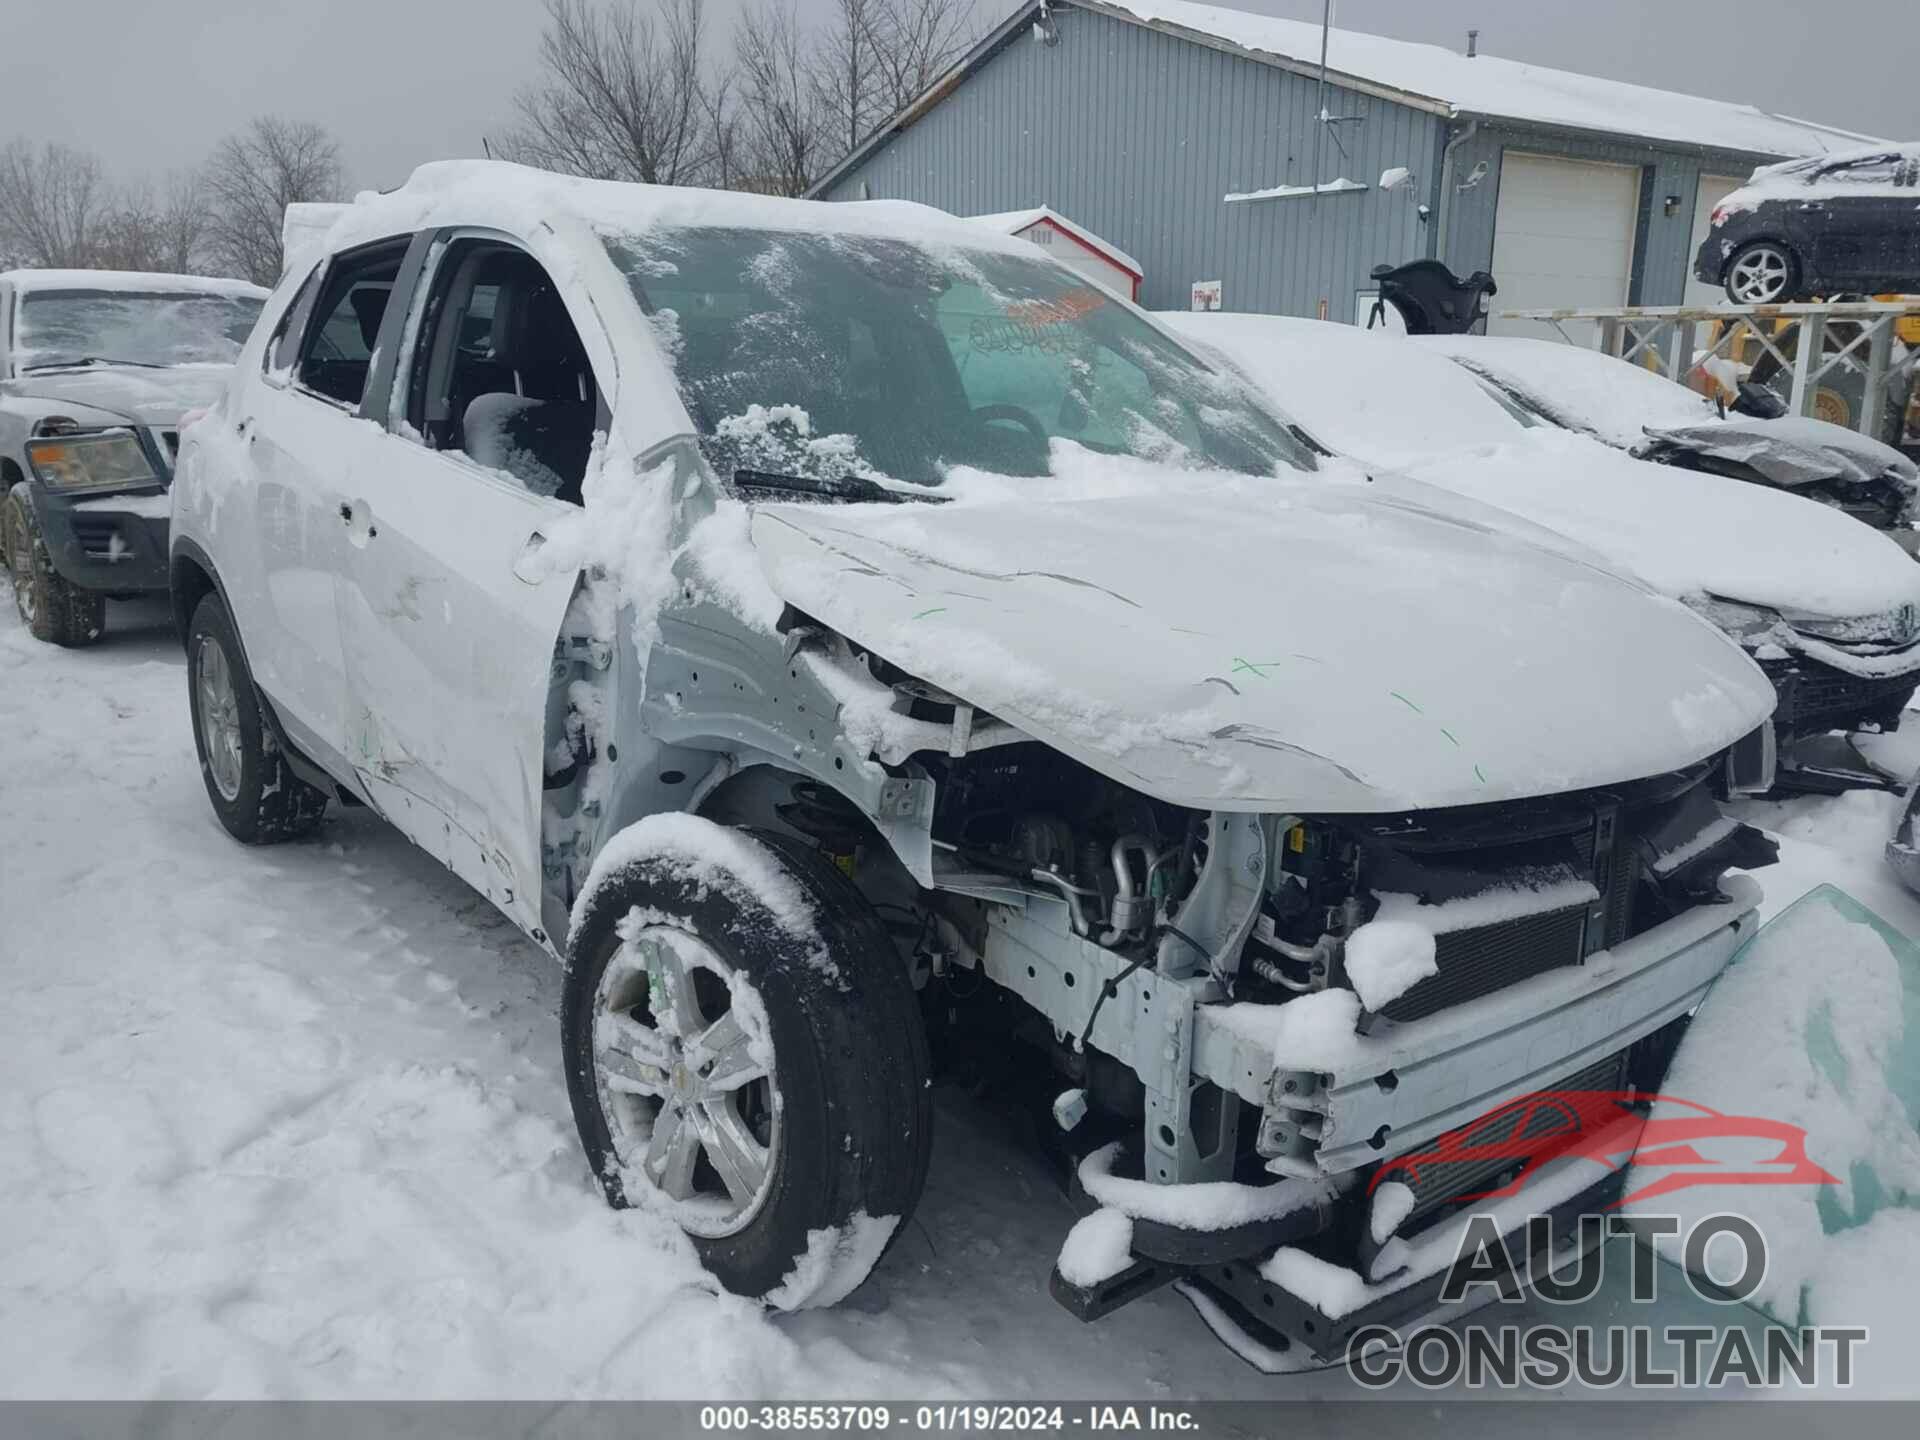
<point>151,86</point>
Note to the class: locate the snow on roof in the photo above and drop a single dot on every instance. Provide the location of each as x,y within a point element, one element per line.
<point>1503,89</point>
<point>142,281</point>
<point>468,191</point>
<point>1014,222</point>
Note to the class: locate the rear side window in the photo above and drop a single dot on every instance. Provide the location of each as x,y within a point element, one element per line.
<point>338,350</point>
<point>499,373</point>
<point>1880,170</point>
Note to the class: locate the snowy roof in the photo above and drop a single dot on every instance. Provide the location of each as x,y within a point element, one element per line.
<point>142,281</point>
<point>1014,222</point>
<point>453,192</point>
<point>1501,89</point>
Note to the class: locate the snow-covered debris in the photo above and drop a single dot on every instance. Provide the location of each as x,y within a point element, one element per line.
<point>1392,1203</point>
<point>1097,1248</point>
<point>1339,1291</point>
<point>1264,1358</point>
<point>1310,1032</point>
<point>835,1262</point>
<point>1387,958</point>
<point>1210,1205</point>
<point>1394,177</point>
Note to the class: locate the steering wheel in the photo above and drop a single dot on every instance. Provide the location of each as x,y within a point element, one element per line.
<point>1025,419</point>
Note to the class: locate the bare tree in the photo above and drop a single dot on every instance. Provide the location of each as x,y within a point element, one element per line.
<point>148,231</point>
<point>787,129</point>
<point>846,68</point>
<point>917,42</point>
<point>875,57</point>
<point>51,204</point>
<point>250,181</point>
<point>622,97</point>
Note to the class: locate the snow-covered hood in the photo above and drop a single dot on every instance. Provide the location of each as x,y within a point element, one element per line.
<point>1686,532</point>
<point>1794,450</point>
<point>1580,389</point>
<point>1317,644</point>
<point>127,393</point>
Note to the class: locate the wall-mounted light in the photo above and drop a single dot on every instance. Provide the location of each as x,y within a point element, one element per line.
<point>1671,205</point>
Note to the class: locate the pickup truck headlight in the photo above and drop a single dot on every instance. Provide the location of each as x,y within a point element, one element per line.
<point>1742,622</point>
<point>107,460</point>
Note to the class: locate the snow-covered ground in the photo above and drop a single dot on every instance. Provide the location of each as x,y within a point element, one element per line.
<point>291,1122</point>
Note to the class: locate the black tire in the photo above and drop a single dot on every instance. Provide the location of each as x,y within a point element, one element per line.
<point>851,1060</point>
<point>269,802</point>
<point>1753,252</point>
<point>50,607</point>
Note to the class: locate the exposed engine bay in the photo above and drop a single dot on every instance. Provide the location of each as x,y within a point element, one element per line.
<point>1560,880</point>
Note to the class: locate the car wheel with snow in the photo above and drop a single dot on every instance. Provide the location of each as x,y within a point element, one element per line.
<point>50,608</point>
<point>744,1051</point>
<point>253,789</point>
<point>1762,273</point>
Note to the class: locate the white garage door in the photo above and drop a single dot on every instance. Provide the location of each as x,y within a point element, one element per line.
<point>1562,239</point>
<point>1713,189</point>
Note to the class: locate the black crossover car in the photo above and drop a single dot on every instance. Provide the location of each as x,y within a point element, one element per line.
<point>1836,224</point>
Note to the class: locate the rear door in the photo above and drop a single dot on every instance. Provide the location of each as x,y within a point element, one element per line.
<point>1863,234</point>
<point>304,433</point>
<point>449,622</point>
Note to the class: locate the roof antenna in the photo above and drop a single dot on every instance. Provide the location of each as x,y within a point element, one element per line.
<point>1327,122</point>
<point>1473,43</point>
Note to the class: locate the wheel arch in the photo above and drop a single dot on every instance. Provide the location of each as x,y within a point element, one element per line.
<point>191,577</point>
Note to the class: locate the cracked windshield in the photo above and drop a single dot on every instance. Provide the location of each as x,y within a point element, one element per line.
<point>830,356</point>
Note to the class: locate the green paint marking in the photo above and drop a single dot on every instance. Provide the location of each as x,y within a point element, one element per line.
<point>936,610</point>
<point>1406,702</point>
<point>1479,775</point>
<point>1251,667</point>
<point>1451,736</point>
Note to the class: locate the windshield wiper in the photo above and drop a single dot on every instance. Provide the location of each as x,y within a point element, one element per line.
<point>854,489</point>
<point>83,360</point>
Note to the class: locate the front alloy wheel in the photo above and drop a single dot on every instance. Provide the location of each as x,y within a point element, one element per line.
<point>1761,274</point>
<point>685,1069</point>
<point>744,1053</point>
<point>219,716</point>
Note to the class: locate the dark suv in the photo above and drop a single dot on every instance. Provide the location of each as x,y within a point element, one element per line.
<point>1836,224</point>
<point>97,368</point>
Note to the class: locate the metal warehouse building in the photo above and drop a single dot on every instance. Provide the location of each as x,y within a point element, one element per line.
<point>1189,133</point>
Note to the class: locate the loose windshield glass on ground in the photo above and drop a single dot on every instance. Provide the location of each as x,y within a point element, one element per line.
<point>65,327</point>
<point>831,355</point>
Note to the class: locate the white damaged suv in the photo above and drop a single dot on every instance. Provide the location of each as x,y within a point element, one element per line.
<point>831,628</point>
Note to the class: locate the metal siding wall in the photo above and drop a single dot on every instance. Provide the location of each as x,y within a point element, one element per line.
<point>1667,256</point>
<point>1137,135</point>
